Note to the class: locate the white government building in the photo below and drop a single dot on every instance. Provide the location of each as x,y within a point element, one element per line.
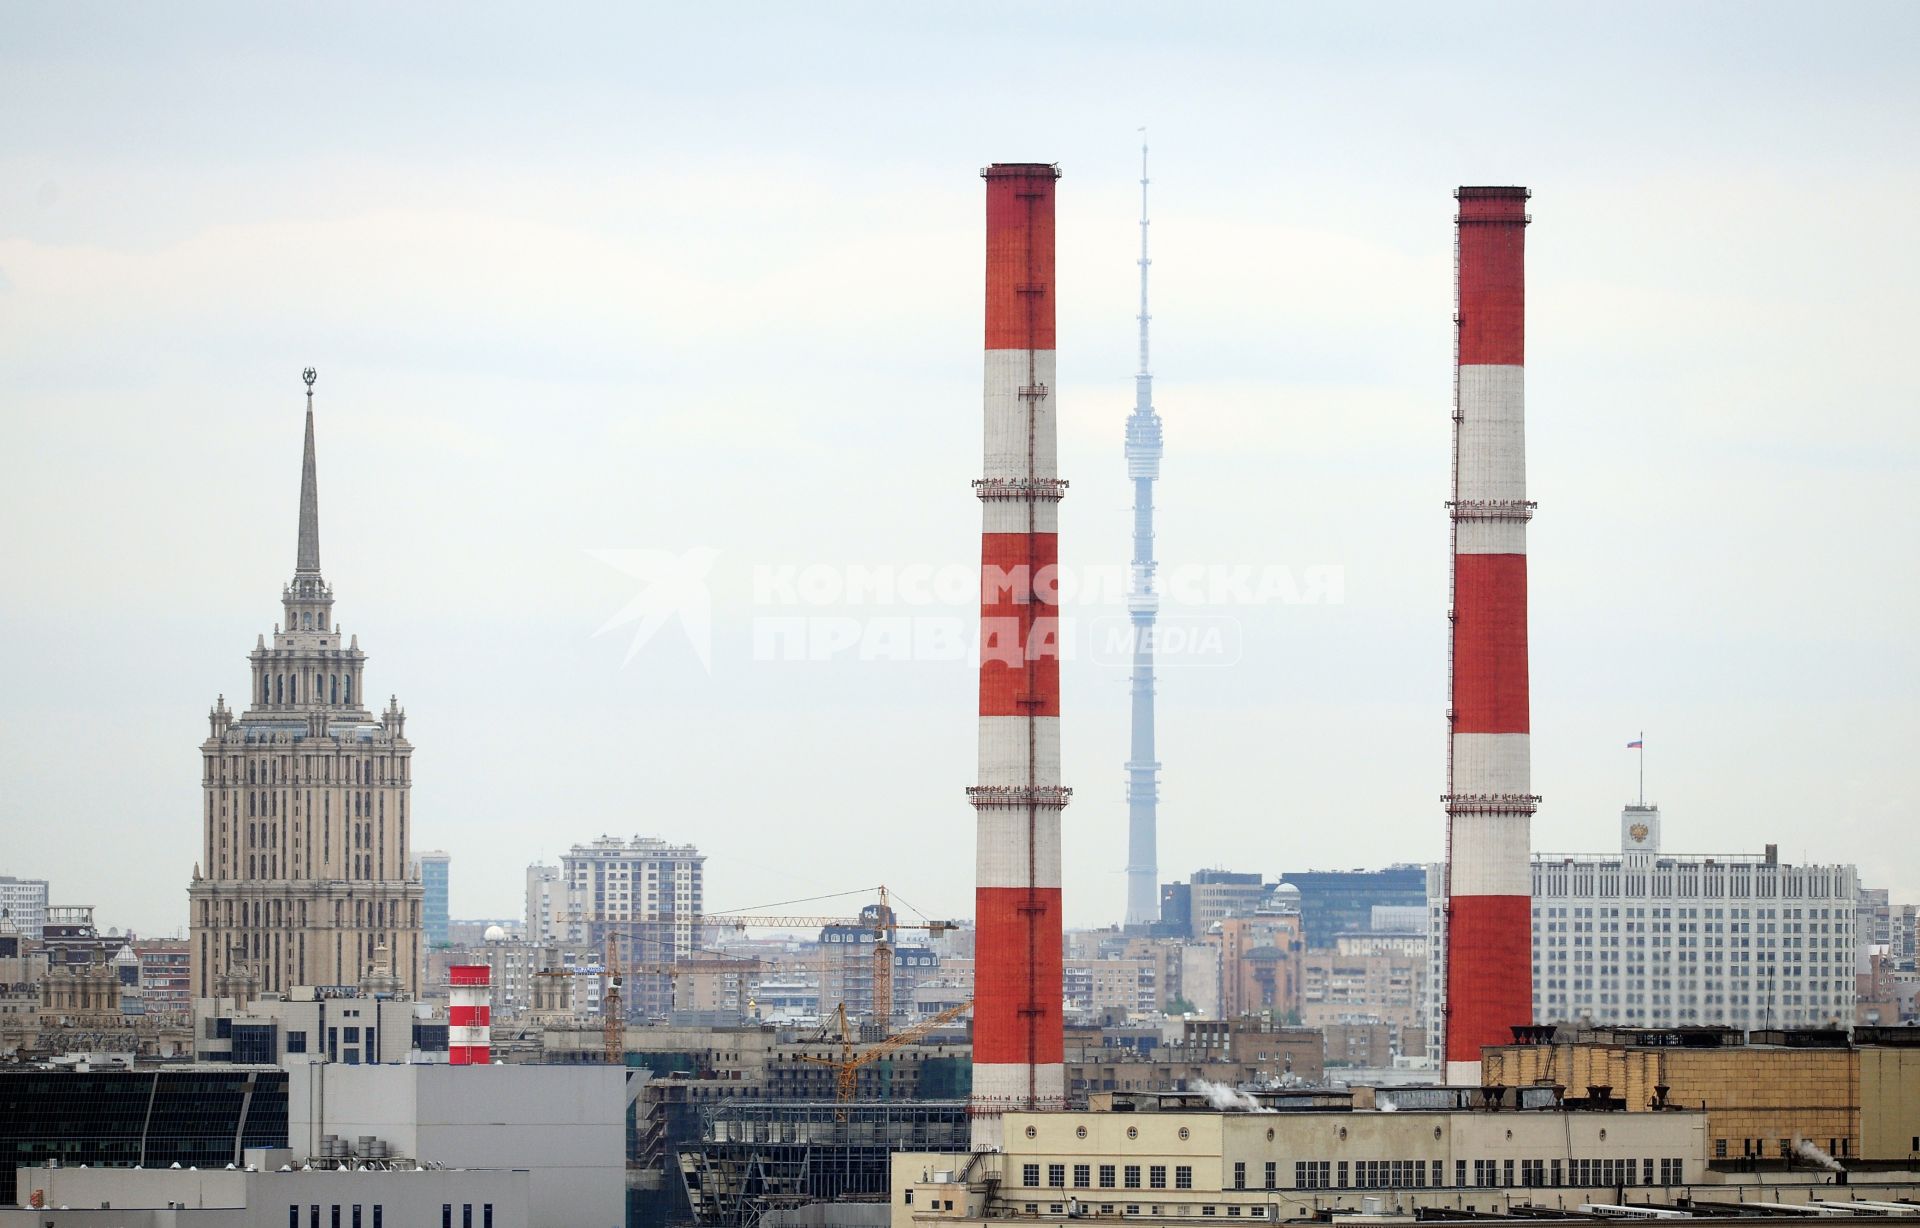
<point>1643,938</point>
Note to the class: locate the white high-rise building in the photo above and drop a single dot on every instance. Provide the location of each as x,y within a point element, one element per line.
<point>1647,939</point>
<point>546,904</point>
<point>1644,938</point>
<point>23,904</point>
<point>646,893</point>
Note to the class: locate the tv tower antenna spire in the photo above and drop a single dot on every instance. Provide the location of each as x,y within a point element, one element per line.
<point>1143,609</point>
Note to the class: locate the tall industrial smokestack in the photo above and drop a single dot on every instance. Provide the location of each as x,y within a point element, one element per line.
<point>1018,1041</point>
<point>469,1015</point>
<point>1489,800</point>
<point>1143,608</point>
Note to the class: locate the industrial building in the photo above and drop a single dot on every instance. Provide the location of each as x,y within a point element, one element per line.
<point>1294,1155</point>
<point>565,1125</point>
<point>752,1159</point>
<point>1764,1093</point>
<point>303,875</point>
<point>310,1026</point>
<point>261,1195</point>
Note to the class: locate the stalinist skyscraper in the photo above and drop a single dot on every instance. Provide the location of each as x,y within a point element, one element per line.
<point>303,877</point>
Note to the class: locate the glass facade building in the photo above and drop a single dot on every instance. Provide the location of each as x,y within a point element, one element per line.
<point>151,1118</point>
<point>433,897</point>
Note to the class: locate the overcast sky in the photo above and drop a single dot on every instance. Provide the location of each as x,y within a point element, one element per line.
<point>586,288</point>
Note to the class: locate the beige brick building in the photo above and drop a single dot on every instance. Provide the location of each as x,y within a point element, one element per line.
<point>1856,1101</point>
<point>304,876</point>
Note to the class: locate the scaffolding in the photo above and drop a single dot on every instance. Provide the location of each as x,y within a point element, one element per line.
<point>754,1158</point>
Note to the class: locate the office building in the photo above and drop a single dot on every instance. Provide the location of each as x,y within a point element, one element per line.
<point>199,1116</point>
<point>1650,939</point>
<point>1646,938</point>
<point>1335,902</point>
<point>1189,909</point>
<point>23,904</point>
<point>431,868</point>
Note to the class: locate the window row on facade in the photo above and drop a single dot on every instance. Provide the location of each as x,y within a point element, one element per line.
<point>1369,1174</point>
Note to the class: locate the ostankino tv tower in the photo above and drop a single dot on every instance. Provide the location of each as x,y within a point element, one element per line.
<point>1143,608</point>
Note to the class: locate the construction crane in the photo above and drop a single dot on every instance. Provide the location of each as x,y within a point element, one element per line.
<point>882,924</point>
<point>613,1013</point>
<point>847,1065</point>
<point>613,1010</point>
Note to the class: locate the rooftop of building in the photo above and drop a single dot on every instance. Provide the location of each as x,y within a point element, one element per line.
<point>1769,860</point>
<point>1215,1099</point>
<point>1721,1037</point>
<point>608,845</point>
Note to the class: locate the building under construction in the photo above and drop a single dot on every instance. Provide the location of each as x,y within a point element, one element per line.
<point>755,1158</point>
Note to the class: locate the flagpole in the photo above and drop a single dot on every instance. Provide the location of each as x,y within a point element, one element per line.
<point>1643,769</point>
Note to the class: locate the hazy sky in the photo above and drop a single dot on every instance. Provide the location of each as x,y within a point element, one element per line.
<point>706,280</point>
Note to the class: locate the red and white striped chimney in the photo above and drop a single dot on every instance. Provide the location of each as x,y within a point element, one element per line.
<point>469,1015</point>
<point>1490,801</point>
<point>1017,1028</point>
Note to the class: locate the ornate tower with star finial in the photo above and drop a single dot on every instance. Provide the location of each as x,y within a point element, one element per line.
<point>304,872</point>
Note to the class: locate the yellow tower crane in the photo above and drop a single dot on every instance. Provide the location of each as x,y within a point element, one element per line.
<point>847,1065</point>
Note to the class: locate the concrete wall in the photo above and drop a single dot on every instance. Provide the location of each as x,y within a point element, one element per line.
<point>1763,1094</point>
<point>1889,1104</point>
<point>140,1198</point>
<point>566,1125</point>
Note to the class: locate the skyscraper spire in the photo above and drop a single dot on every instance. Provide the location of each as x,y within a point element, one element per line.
<point>1143,607</point>
<point>308,561</point>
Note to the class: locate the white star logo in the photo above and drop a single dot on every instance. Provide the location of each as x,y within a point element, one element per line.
<point>672,585</point>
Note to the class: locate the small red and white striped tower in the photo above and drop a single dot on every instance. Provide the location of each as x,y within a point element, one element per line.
<point>1017,1027</point>
<point>1490,801</point>
<point>469,1015</point>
